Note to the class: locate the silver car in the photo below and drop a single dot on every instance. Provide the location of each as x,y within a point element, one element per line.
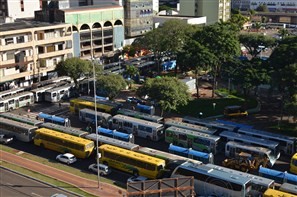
<point>103,169</point>
<point>66,158</point>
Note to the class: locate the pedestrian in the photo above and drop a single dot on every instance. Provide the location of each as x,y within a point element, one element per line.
<point>133,108</point>
<point>200,115</point>
<point>60,105</point>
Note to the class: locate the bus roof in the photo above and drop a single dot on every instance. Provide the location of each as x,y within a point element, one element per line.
<point>61,87</point>
<point>112,141</point>
<point>20,118</point>
<point>51,117</point>
<point>68,130</point>
<point>239,125</point>
<point>65,136</point>
<point>207,170</point>
<point>16,123</point>
<point>249,139</point>
<point>140,121</point>
<point>254,178</point>
<point>268,134</point>
<point>113,132</point>
<point>50,86</point>
<point>194,133</point>
<point>273,192</point>
<point>194,127</point>
<point>132,154</point>
<point>188,151</point>
<point>91,111</point>
<point>140,115</point>
<point>249,147</point>
<point>287,187</point>
<point>18,94</point>
<point>5,92</point>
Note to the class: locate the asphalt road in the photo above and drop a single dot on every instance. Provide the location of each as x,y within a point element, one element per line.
<point>14,184</point>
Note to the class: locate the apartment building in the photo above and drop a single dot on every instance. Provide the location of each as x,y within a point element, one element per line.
<point>98,30</point>
<point>214,10</point>
<point>288,6</point>
<point>19,8</point>
<point>138,17</point>
<point>31,50</point>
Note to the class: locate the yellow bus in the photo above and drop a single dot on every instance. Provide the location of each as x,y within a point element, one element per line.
<point>131,162</point>
<point>293,164</point>
<point>78,104</point>
<point>64,143</point>
<point>277,193</point>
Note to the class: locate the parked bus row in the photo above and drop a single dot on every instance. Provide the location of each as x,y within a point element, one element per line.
<point>286,145</point>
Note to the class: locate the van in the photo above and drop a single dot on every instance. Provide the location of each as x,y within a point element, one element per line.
<point>235,111</point>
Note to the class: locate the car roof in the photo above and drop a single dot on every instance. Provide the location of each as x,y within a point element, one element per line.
<point>68,155</point>
<point>140,178</point>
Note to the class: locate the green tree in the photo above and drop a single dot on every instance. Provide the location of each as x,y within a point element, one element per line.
<point>197,57</point>
<point>262,8</point>
<point>110,85</point>
<point>169,92</point>
<point>238,20</point>
<point>221,40</point>
<point>283,32</point>
<point>74,68</point>
<point>291,107</point>
<point>131,71</point>
<point>252,42</point>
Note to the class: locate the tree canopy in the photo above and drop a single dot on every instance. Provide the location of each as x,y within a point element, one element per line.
<point>74,68</point>
<point>110,85</point>
<point>169,92</point>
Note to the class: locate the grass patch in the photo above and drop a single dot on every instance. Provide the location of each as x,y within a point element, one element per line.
<point>207,108</point>
<point>44,178</point>
<point>285,128</point>
<point>53,163</point>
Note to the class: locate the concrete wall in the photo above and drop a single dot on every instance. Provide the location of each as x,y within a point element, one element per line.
<point>14,8</point>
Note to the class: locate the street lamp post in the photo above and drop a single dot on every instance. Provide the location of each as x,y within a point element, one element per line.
<point>96,122</point>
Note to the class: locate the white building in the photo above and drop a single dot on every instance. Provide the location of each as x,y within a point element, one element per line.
<point>289,6</point>
<point>19,8</point>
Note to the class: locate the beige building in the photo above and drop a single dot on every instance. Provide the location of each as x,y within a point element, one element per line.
<point>31,50</point>
<point>214,10</point>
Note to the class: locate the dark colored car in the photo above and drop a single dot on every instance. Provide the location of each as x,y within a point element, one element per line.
<point>135,100</point>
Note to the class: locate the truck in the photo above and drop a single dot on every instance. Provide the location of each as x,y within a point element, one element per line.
<point>245,162</point>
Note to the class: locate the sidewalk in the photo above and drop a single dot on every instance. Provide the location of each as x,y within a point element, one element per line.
<point>86,185</point>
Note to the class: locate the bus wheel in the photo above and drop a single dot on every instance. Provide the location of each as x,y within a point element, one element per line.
<point>10,109</point>
<point>135,173</point>
<point>42,145</point>
<point>105,163</point>
<point>148,137</point>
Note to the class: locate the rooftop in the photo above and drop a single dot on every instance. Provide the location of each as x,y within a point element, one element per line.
<point>24,25</point>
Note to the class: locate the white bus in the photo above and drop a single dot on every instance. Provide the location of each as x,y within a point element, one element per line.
<point>192,139</point>
<point>169,123</point>
<point>287,144</point>
<point>212,182</point>
<point>259,184</point>
<point>141,115</point>
<point>218,127</point>
<point>51,81</point>
<point>39,92</point>
<point>59,93</point>
<point>142,128</point>
<point>290,188</point>
<point>112,141</point>
<point>88,116</point>
<point>20,118</point>
<point>254,141</point>
<point>16,101</point>
<point>20,131</point>
<point>13,91</point>
<point>233,149</point>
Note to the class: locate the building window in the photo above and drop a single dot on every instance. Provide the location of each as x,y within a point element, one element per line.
<point>22,5</point>
<point>20,39</point>
<point>10,55</point>
<point>8,41</point>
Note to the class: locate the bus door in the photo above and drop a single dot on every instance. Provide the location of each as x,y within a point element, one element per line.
<point>83,116</point>
<point>134,129</point>
<point>58,96</point>
<point>290,149</point>
<point>32,99</point>
<point>5,106</point>
<point>17,103</point>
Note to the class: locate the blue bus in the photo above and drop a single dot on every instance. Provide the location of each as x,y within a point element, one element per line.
<point>116,134</point>
<point>146,109</point>
<point>53,119</point>
<point>190,153</point>
<point>278,176</point>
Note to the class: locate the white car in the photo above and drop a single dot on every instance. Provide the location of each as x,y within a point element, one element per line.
<point>103,169</point>
<point>66,158</point>
<point>136,178</point>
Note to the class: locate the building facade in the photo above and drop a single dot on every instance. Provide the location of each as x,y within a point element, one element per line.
<point>288,6</point>
<point>31,50</point>
<point>214,10</point>
<point>19,8</point>
<point>97,30</point>
<point>138,17</point>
